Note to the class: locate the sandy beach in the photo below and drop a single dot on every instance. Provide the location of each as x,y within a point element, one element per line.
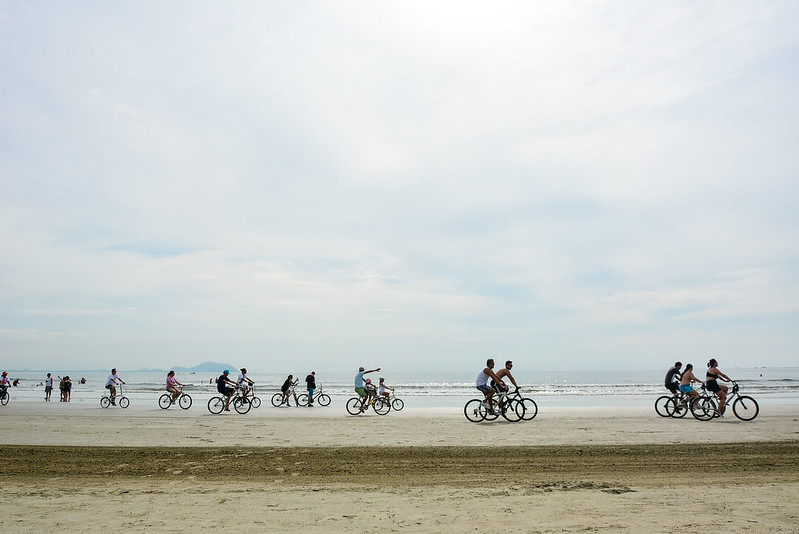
<point>426,470</point>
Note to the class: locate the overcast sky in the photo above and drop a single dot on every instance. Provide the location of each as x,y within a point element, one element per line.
<point>412,185</point>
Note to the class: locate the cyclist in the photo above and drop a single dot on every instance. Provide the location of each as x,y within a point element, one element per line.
<point>4,384</point>
<point>111,385</point>
<point>172,385</point>
<point>226,387</point>
<point>686,379</point>
<point>673,378</point>
<point>371,389</point>
<point>244,383</point>
<point>285,388</point>
<point>713,374</point>
<point>482,383</point>
<point>383,389</point>
<point>310,383</point>
<point>359,389</point>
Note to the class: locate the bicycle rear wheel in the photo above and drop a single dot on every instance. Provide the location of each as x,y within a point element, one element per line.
<point>105,402</point>
<point>354,406</point>
<point>662,405</point>
<point>184,402</point>
<point>397,404</point>
<point>745,408</point>
<point>4,398</point>
<point>277,399</point>
<point>474,410</point>
<point>303,399</point>
<point>216,405</point>
<point>165,401</point>
<point>703,408</point>
<point>323,399</point>
<point>677,408</point>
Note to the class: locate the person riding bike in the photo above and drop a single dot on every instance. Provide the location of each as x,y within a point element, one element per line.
<point>111,384</point>
<point>172,385</point>
<point>244,383</point>
<point>482,383</point>
<point>359,389</point>
<point>672,379</point>
<point>226,387</point>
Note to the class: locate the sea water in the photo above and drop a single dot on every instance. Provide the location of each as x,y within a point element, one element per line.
<point>776,385</point>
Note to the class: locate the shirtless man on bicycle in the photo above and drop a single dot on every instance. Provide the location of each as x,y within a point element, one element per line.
<point>482,383</point>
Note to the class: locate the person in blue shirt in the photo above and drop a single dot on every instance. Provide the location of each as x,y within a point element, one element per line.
<point>359,389</point>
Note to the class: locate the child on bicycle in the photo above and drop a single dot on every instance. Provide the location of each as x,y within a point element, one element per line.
<point>371,389</point>
<point>382,389</point>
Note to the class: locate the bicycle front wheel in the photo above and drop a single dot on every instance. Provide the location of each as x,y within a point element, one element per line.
<point>124,402</point>
<point>662,405</point>
<point>105,402</point>
<point>397,404</point>
<point>216,405</point>
<point>277,399</point>
<point>5,398</point>
<point>185,402</point>
<point>474,410</point>
<point>530,409</point>
<point>354,406</point>
<point>165,401</point>
<point>255,402</point>
<point>703,408</point>
<point>382,406</point>
<point>323,399</point>
<point>745,408</point>
<point>240,405</point>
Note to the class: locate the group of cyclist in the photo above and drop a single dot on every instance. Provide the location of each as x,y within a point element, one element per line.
<point>497,386</point>
<point>680,382</point>
<point>367,390</point>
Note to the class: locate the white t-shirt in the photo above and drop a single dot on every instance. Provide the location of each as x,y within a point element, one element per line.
<point>111,380</point>
<point>243,380</point>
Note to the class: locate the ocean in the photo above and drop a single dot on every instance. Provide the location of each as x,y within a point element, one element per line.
<point>776,385</point>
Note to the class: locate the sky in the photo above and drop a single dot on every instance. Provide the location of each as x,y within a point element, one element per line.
<point>413,185</point>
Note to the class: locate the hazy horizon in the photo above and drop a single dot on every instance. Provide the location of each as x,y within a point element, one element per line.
<point>415,185</point>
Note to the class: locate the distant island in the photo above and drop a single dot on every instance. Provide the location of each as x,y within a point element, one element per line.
<point>206,367</point>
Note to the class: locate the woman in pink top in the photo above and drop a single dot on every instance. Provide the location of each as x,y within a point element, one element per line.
<point>172,385</point>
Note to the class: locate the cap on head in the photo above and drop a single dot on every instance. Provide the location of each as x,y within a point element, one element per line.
<point>226,371</point>
<point>360,369</point>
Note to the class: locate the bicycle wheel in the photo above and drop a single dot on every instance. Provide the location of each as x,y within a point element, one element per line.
<point>184,401</point>
<point>255,402</point>
<point>105,402</point>
<point>240,405</point>
<point>677,408</point>
<point>165,401</point>
<point>302,399</point>
<point>530,409</point>
<point>124,402</point>
<point>277,399</point>
<point>323,399</point>
<point>397,404</point>
<point>382,406</point>
<point>5,398</point>
<point>512,410</point>
<point>662,406</point>
<point>703,408</point>
<point>216,405</point>
<point>745,408</point>
<point>474,410</point>
<point>354,406</point>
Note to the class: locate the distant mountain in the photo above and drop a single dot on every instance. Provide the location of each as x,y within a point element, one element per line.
<point>206,367</point>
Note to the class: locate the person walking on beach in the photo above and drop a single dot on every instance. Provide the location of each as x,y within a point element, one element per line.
<point>226,387</point>
<point>712,376</point>
<point>111,385</point>
<point>172,385</point>
<point>686,379</point>
<point>244,383</point>
<point>48,387</point>
<point>673,378</point>
<point>482,383</point>
<point>359,389</point>
<point>310,383</point>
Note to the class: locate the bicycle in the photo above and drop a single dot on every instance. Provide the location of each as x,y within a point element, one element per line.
<point>106,400</point>
<point>676,406</point>
<point>359,405</point>
<point>510,408</point>
<point>183,400</point>
<point>744,407</point>
<point>5,396</point>
<point>250,397</point>
<point>216,404</point>
<point>530,407</point>
<point>278,399</point>
<point>319,397</point>
<point>397,404</point>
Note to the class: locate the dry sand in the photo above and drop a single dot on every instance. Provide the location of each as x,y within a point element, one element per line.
<point>319,470</point>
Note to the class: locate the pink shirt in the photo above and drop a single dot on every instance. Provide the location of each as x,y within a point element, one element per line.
<point>171,382</point>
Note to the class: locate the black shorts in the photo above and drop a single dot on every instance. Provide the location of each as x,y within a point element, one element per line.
<point>713,386</point>
<point>226,391</point>
<point>672,387</point>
